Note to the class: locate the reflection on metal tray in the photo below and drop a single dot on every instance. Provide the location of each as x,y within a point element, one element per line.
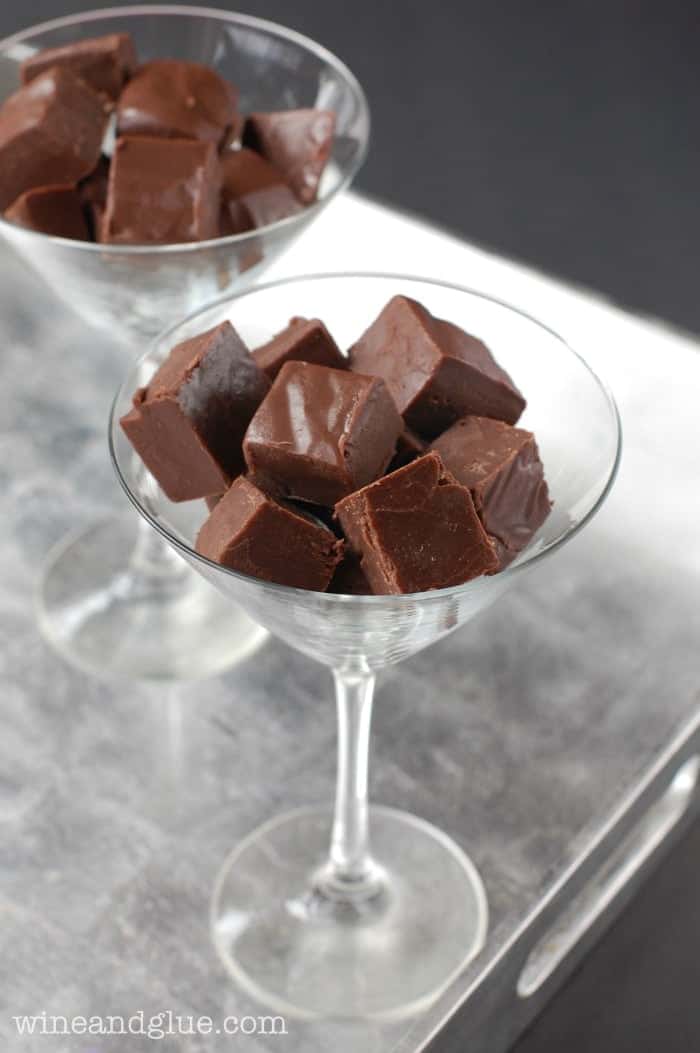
<point>557,738</point>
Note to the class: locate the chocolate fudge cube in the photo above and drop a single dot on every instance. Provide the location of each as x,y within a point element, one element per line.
<point>501,467</point>
<point>253,192</point>
<point>251,532</point>
<point>54,210</point>
<point>188,424</point>
<point>102,62</point>
<point>51,134</point>
<point>304,340</point>
<point>416,529</point>
<point>177,100</point>
<point>162,191</point>
<point>261,208</point>
<point>322,433</point>
<point>436,372</point>
<point>298,142</point>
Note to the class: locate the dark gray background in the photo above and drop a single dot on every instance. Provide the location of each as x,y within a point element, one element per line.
<point>566,135</point>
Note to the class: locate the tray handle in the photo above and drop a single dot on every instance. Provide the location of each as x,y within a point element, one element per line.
<point>617,870</point>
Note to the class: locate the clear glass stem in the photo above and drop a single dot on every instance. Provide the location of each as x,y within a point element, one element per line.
<point>154,558</point>
<point>154,566</point>
<point>351,872</point>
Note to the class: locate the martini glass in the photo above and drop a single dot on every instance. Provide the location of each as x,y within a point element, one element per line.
<point>352,911</point>
<point>113,599</point>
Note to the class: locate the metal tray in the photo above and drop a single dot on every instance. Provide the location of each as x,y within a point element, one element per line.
<point>556,738</point>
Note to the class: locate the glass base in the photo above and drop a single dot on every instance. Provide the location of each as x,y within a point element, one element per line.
<point>114,617</point>
<point>304,953</point>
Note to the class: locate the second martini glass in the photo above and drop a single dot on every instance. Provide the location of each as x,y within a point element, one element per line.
<point>353,912</point>
<point>113,599</point>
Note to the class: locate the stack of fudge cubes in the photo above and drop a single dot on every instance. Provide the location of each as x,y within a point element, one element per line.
<point>186,166</point>
<point>396,469</point>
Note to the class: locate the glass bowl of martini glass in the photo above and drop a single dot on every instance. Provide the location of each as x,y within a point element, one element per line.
<point>113,599</point>
<point>354,911</point>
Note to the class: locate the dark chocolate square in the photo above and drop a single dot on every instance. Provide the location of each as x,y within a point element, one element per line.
<point>188,424</point>
<point>501,467</point>
<point>162,191</point>
<point>178,100</point>
<point>253,192</point>
<point>251,532</point>
<point>51,134</point>
<point>304,340</point>
<point>416,529</point>
<point>102,62</point>
<point>298,142</point>
<point>436,371</point>
<point>321,433</point>
<point>54,210</point>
